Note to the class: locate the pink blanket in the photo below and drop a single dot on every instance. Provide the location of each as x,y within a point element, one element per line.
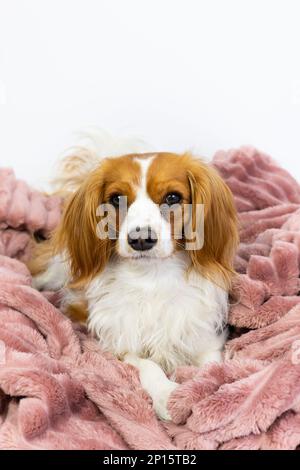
<point>23,211</point>
<point>59,391</point>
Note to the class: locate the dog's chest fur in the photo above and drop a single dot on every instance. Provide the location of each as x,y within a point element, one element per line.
<point>153,309</point>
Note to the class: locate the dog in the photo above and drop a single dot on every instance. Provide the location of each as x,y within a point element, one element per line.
<point>152,298</point>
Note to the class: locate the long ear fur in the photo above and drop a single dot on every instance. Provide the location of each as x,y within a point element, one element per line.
<point>77,236</point>
<point>215,258</point>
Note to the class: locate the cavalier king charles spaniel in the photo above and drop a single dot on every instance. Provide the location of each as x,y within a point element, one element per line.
<point>130,256</point>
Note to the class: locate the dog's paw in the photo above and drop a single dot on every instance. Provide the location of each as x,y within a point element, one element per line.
<point>161,399</point>
<point>155,383</point>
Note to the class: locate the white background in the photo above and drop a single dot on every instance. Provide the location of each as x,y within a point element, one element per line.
<point>188,74</point>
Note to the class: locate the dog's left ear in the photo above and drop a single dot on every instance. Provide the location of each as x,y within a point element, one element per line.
<point>77,233</point>
<point>215,258</point>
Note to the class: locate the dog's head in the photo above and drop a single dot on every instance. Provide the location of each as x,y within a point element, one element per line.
<point>146,206</point>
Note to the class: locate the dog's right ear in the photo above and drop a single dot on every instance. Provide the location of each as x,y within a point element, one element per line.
<point>76,235</point>
<point>215,258</point>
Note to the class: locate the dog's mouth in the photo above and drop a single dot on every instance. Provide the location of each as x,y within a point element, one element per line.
<point>146,256</point>
<point>141,256</point>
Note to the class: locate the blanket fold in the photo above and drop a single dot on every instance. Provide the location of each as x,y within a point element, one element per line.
<point>23,212</point>
<point>58,390</point>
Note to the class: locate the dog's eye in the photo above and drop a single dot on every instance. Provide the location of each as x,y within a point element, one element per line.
<point>115,199</point>
<point>173,198</point>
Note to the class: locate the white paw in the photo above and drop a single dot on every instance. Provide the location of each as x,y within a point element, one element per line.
<point>210,356</point>
<point>155,383</point>
<point>132,359</point>
<point>160,401</point>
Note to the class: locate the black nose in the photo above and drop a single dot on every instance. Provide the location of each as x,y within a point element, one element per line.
<point>142,239</point>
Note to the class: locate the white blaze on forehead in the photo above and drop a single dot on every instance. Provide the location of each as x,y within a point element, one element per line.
<point>143,212</point>
<point>144,164</point>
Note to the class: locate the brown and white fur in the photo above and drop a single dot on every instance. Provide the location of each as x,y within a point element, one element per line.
<point>159,308</point>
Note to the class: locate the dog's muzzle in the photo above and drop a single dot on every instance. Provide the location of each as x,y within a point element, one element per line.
<point>142,239</point>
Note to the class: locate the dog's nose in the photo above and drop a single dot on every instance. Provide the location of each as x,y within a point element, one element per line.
<point>142,239</point>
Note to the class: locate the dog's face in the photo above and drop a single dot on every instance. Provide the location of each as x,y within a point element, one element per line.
<point>153,193</point>
<point>142,207</point>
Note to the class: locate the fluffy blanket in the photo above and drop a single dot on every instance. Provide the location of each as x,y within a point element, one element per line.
<point>59,391</point>
<point>23,211</point>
